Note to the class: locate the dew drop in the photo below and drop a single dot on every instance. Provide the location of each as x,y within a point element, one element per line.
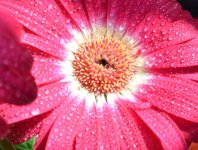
<point>35,112</point>
<point>163,33</point>
<point>68,21</point>
<point>47,92</point>
<point>121,28</point>
<point>50,6</point>
<point>145,36</point>
<point>53,27</point>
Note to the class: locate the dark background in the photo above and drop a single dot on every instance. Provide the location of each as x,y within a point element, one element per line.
<point>191,5</point>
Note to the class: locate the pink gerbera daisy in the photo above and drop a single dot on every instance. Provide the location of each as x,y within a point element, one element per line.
<point>112,74</point>
<point>17,85</point>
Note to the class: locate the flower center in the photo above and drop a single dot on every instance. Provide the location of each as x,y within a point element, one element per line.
<point>103,65</point>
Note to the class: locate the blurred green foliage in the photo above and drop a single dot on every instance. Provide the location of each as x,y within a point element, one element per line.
<point>28,145</point>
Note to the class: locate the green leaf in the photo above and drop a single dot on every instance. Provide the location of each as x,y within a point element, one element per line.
<point>6,145</point>
<point>28,145</point>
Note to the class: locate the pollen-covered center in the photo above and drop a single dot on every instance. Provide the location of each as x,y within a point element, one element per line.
<point>103,65</point>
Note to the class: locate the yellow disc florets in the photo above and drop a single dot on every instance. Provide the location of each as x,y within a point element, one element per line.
<point>103,65</point>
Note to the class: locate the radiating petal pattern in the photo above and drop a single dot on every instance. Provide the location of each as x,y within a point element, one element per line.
<point>45,45</point>
<point>66,127</point>
<point>77,9</point>
<point>186,54</point>
<point>130,136</point>
<point>179,98</point>
<point>43,24</point>
<point>112,74</point>
<point>150,139</point>
<point>42,104</point>
<point>189,129</point>
<point>159,123</point>
<point>43,65</point>
<point>26,129</point>
<point>87,134</point>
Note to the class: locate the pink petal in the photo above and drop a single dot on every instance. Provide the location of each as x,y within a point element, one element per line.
<point>16,88</point>
<point>63,132</point>
<point>149,9</point>
<point>60,7</point>
<point>77,12</point>
<point>46,70</point>
<point>97,12</point>
<point>65,19</point>
<point>174,95</point>
<point>10,27</point>
<point>172,33</point>
<point>182,55</point>
<point>15,64</point>
<point>42,144</point>
<point>165,129</point>
<point>17,54</point>
<point>156,36</point>
<point>36,20</point>
<point>189,129</point>
<point>47,46</point>
<point>129,135</point>
<point>4,130</point>
<point>107,131</point>
<point>150,139</point>
<point>192,74</point>
<point>87,134</point>
<point>152,22</point>
<point>26,129</point>
<point>49,97</point>
<point>46,126</point>
<point>125,16</point>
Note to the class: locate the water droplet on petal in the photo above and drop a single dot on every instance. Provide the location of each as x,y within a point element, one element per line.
<point>68,20</point>
<point>35,112</point>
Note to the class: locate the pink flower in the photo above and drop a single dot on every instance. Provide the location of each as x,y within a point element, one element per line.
<point>111,74</point>
<point>17,86</point>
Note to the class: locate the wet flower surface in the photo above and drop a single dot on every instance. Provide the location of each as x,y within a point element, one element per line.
<point>112,74</point>
<point>17,85</point>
